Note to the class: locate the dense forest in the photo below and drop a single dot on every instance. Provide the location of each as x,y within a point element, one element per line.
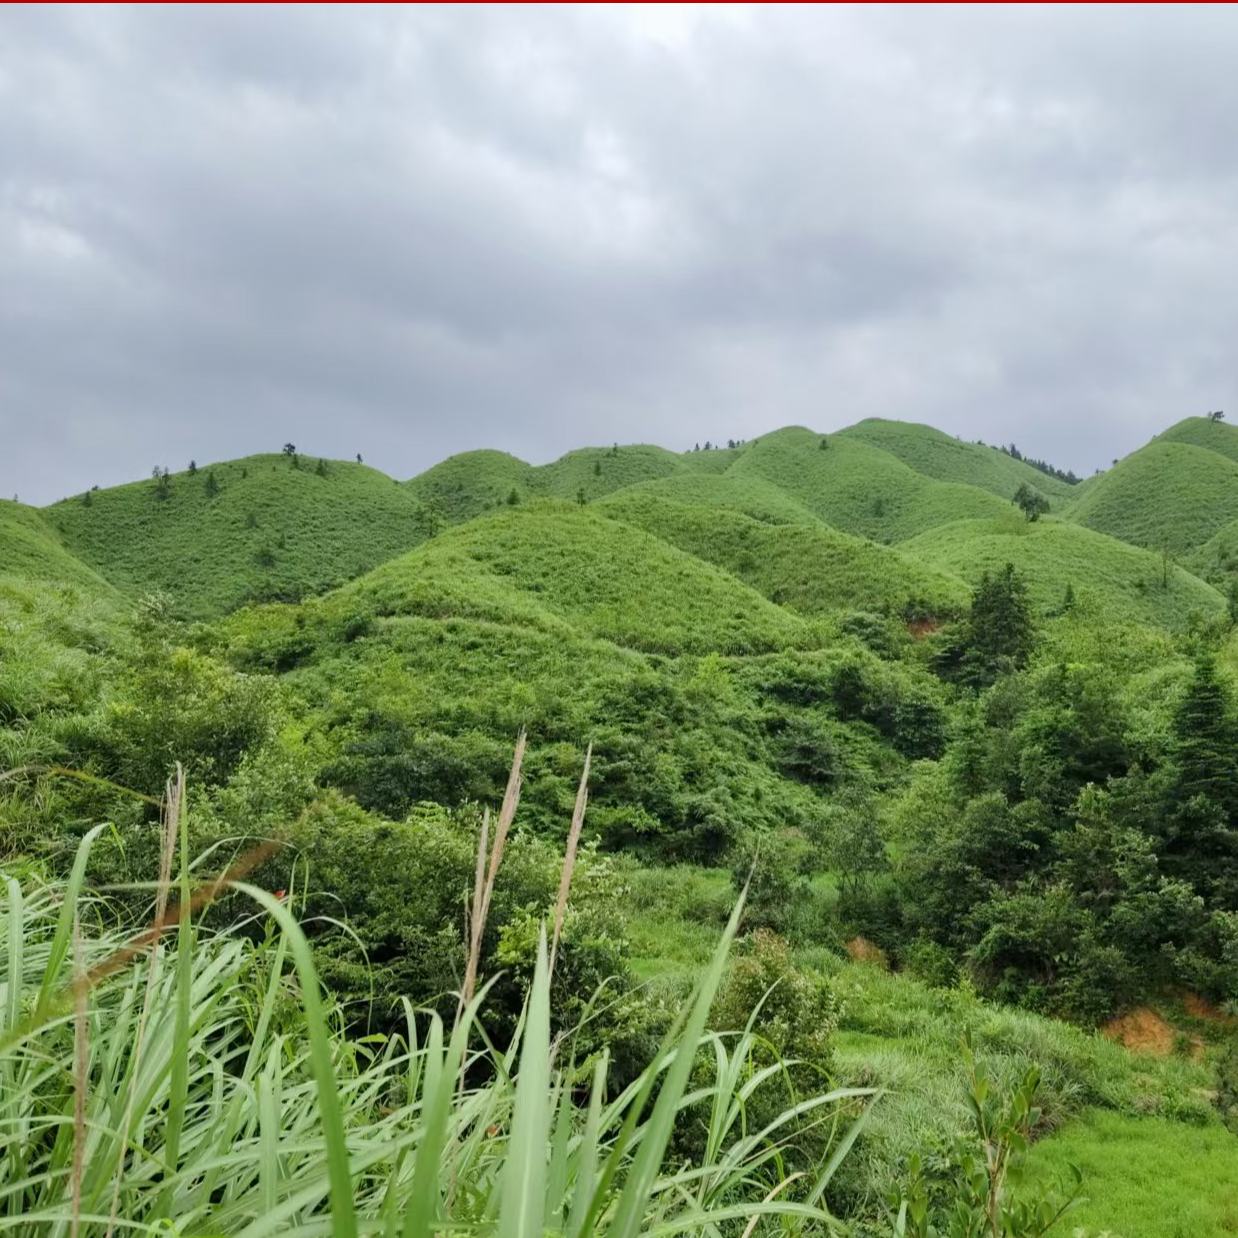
<point>896,776</point>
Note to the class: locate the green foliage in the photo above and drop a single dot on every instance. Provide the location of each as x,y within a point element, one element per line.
<point>1111,581</point>
<point>839,485</point>
<point>1030,502</point>
<point>943,458</point>
<point>200,545</point>
<point>31,550</point>
<point>976,1179</point>
<point>218,1060</point>
<point>1168,494</point>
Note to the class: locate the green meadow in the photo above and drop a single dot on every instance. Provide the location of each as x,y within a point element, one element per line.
<point>898,895</point>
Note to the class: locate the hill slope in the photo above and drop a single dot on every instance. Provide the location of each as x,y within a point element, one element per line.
<point>1118,580</point>
<point>943,458</point>
<point>1203,432</point>
<point>1168,495</point>
<point>559,567</point>
<point>271,531</point>
<point>809,568</point>
<point>31,548</point>
<point>859,488</point>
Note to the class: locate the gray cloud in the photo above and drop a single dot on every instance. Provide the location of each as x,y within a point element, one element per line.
<point>409,232</point>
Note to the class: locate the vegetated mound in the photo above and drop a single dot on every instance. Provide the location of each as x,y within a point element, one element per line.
<point>749,495</point>
<point>251,529</point>
<point>1166,496</point>
<point>1119,581</point>
<point>465,485</point>
<point>558,566</point>
<point>31,549</point>
<point>939,456</point>
<point>595,471</point>
<point>474,482</point>
<point>809,568</point>
<point>1217,559</point>
<point>1203,432</point>
<point>859,488</point>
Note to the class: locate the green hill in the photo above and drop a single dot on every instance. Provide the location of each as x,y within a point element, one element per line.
<point>1203,432</point>
<point>943,458</point>
<point>859,488</point>
<point>559,567</point>
<point>468,484</point>
<point>269,530</point>
<point>31,548</point>
<point>747,494</point>
<point>809,568</point>
<point>1167,496</point>
<point>1116,581</point>
<point>600,470</point>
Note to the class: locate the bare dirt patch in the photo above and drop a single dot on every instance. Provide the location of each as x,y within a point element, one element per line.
<point>862,950</point>
<point>1142,1030</point>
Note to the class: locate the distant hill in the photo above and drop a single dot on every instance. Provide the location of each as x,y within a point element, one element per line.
<point>560,567</point>
<point>808,567</point>
<point>269,531</point>
<point>811,524</point>
<point>860,488</point>
<point>1216,436</point>
<point>1121,582</point>
<point>943,458</point>
<point>1169,495</point>
<point>31,548</point>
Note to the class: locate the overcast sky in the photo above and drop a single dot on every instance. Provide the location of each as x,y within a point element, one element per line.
<point>413,232</point>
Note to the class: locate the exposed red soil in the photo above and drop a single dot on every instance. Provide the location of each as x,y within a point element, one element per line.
<point>862,950</point>
<point>1142,1030</point>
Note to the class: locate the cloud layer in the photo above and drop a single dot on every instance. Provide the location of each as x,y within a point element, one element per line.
<point>409,232</point>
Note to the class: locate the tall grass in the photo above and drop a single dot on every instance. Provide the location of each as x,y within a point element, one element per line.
<point>203,1084</point>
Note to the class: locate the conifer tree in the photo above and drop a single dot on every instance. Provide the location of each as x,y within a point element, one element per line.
<point>212,486</point>
<point>1204,741</point>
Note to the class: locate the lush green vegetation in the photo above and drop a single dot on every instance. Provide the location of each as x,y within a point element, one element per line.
<point>1168,496</point>
<point>937,455</point>
<point>1111,579</point>
<point>1144,1178</point>
<point>974,763</point>
<point>258,529</point>
<point>31,550</point>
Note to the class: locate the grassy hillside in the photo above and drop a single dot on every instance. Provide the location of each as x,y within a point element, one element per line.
<point>939,456</point>
<point>1202,432</point>
<point>1168,495</point>
<point>468,484</point>
<point>556,565</point>
<point>270,530</point>
<point>31,549</point>
<point>1145,1177</point>
<point>809,568</point>
<point>859,488</point>
<point>601,470</point>
<point>746,494</point>
<point>1217,559</point>
<point>1119,581</point>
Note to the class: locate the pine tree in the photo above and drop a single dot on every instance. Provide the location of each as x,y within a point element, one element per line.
<point>321,470</point>
<point>212,486</point>
<point>1000,632</point>
<point>580,496</point>
<point>359,460</point>
<point>87,500</point>
<point>193,467</point>
<point>1204,741</point>
<point>597,468</point>
<point>824,444</point>
<point>513,497</point>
